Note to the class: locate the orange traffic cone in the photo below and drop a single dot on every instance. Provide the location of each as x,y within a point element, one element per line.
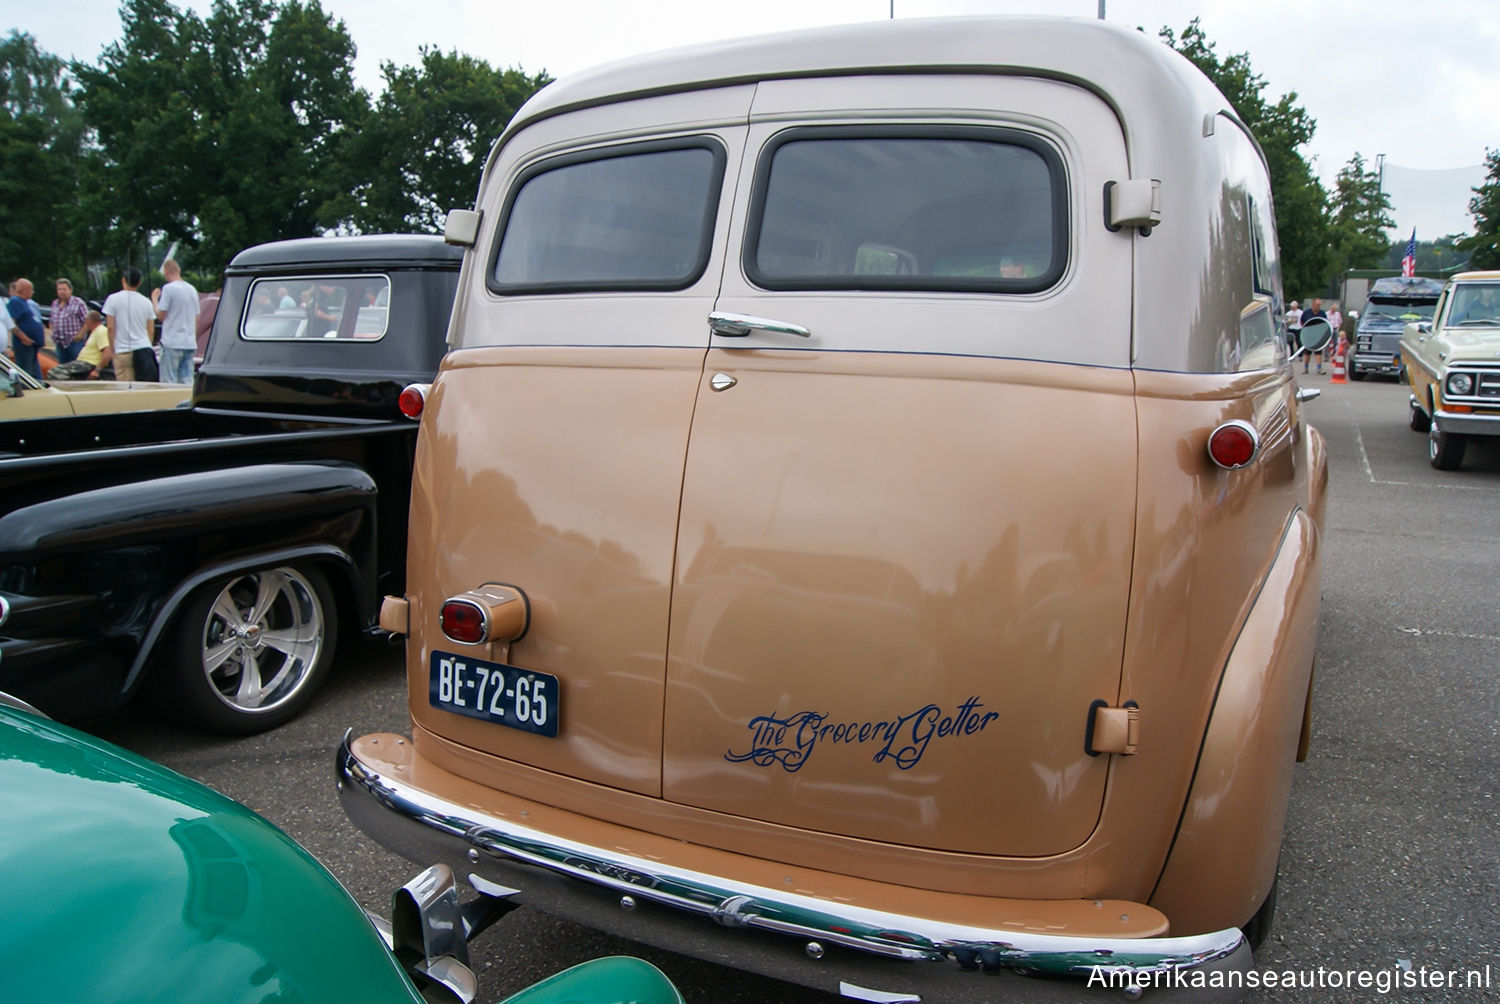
<point>1339,355</point>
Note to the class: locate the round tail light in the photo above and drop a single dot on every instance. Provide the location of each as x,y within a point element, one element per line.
<point>1234,444</point>
<point>413,400</point>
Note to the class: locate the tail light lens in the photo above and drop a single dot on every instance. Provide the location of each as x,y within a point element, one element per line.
<point>413,400</point>
<point>1234,444</point>
<point>464,622</point>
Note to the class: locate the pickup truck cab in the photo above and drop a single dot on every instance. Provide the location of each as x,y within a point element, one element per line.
<point>210,555</point>
<point>1453,367</point>
<point>1392,304</point>
<point>867,505</point>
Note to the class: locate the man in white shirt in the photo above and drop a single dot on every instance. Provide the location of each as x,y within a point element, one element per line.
<point>131,319</point>
<point>177,309</point>
<point>8,324</point>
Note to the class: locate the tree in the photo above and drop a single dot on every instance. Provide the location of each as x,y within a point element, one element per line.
<point>1359,219</point>
<point>224,133</point>
<point>1441,254</point>
<point>430,132</point>
<point>41,137</point>
<point>1280,128</point>
<point>1484,246</point>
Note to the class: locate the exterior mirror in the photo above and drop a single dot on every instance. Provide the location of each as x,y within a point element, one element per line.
<point>462,227</point>
<point>1418,329</point>
<point>1316,333</point>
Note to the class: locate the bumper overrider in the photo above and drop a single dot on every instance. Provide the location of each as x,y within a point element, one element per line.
<point>863,953</point>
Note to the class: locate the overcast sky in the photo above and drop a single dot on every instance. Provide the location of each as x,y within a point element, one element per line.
<point>1416,81</point>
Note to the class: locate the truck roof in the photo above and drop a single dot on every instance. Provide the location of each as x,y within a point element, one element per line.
<point>1406,287</point>
<point>370,250</point>
<point>1139,76</point>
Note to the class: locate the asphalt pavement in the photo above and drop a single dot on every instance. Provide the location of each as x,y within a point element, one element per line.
<point>1392,856</point>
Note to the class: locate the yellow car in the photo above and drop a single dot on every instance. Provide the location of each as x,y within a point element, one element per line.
<point>23,396</point>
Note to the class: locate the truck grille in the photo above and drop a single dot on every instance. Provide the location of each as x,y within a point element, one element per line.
<point>1486,386</point>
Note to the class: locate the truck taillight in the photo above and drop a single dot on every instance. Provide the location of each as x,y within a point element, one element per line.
<point>492,613</point>
<point>1234,444</point>
<point>413,399</point>
<point>464,622</point>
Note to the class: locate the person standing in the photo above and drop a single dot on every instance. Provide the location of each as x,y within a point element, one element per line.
<point>9,324</point>
<point>68,313</point>
<point>1316,310</point>
<point>131,319</point>
<point>29,334</point>
<point>177,310</point>
<point>1294,326</point>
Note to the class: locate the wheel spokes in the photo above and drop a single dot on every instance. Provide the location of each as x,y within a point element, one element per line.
<point>250,690</point>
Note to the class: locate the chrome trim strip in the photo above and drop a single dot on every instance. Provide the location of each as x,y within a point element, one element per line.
<point>740,905</point>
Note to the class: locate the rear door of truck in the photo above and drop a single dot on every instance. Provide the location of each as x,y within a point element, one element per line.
<point>903,556</point>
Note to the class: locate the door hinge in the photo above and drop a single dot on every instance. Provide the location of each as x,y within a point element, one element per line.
<point>1113,730</point>
<point>1134,202</point>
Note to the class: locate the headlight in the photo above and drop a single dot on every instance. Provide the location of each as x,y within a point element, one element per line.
<point>1459,384</point>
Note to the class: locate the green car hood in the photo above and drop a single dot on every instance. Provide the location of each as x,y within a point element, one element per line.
<point>123,881</point>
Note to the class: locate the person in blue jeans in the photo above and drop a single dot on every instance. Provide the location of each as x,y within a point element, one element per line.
<point>177,310</point>
<point>29,334</point>
<point>1316,310</point>
<point>68,314</point>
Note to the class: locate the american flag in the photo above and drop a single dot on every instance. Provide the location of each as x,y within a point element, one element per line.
<point>1409,262</point>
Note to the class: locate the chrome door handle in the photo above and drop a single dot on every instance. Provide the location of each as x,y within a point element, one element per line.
<point>739,325</point>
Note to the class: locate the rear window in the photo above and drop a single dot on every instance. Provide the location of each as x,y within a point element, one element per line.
<point>908,209</point>
<point>636,217</point>
<point>347,307</point>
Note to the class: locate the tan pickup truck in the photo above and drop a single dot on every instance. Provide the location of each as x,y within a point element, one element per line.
<point>1453,366</point>
<point>866,530</point>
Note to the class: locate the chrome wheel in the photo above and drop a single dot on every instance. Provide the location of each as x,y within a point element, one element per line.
<point>262,639</point>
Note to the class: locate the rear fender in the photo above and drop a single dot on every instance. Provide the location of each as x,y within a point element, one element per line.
<point>1223,860</point>
<point>342,570</point>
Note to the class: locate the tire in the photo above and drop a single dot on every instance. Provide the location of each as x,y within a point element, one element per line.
<point>1418,420</point>
<point>1445,449</point>
<point>1258,927</point>
<point>280,624</point>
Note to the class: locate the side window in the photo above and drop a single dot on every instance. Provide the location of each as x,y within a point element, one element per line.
<point>908,208</point>
<point>639,217</point>
<point>321,306</point>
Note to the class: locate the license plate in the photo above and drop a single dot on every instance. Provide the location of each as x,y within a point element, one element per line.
<point>519,698</point>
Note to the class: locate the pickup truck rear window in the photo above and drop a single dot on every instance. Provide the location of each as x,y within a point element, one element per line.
<point>350,307</point>
<point>638,217</point>
<point>908,208</point>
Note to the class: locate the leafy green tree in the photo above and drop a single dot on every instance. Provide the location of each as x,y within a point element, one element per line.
<point>1484,246</point>
<point>41,137</point>
<point>430,133</point>
<point>1360,219</point>
<point>221,133</point>
<point>1442,254</point>
<point>1281,128</point>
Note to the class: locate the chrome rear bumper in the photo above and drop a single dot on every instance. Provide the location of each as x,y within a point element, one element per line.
<point>837,947</point>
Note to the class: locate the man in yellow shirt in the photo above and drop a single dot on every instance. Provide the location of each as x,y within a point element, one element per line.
<point>93,357</point>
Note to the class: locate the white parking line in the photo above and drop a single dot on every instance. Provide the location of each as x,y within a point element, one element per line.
<point>1435,633</point>
<point>1364,462</point>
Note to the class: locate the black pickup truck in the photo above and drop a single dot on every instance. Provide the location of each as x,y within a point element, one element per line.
<point>209,555</point>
